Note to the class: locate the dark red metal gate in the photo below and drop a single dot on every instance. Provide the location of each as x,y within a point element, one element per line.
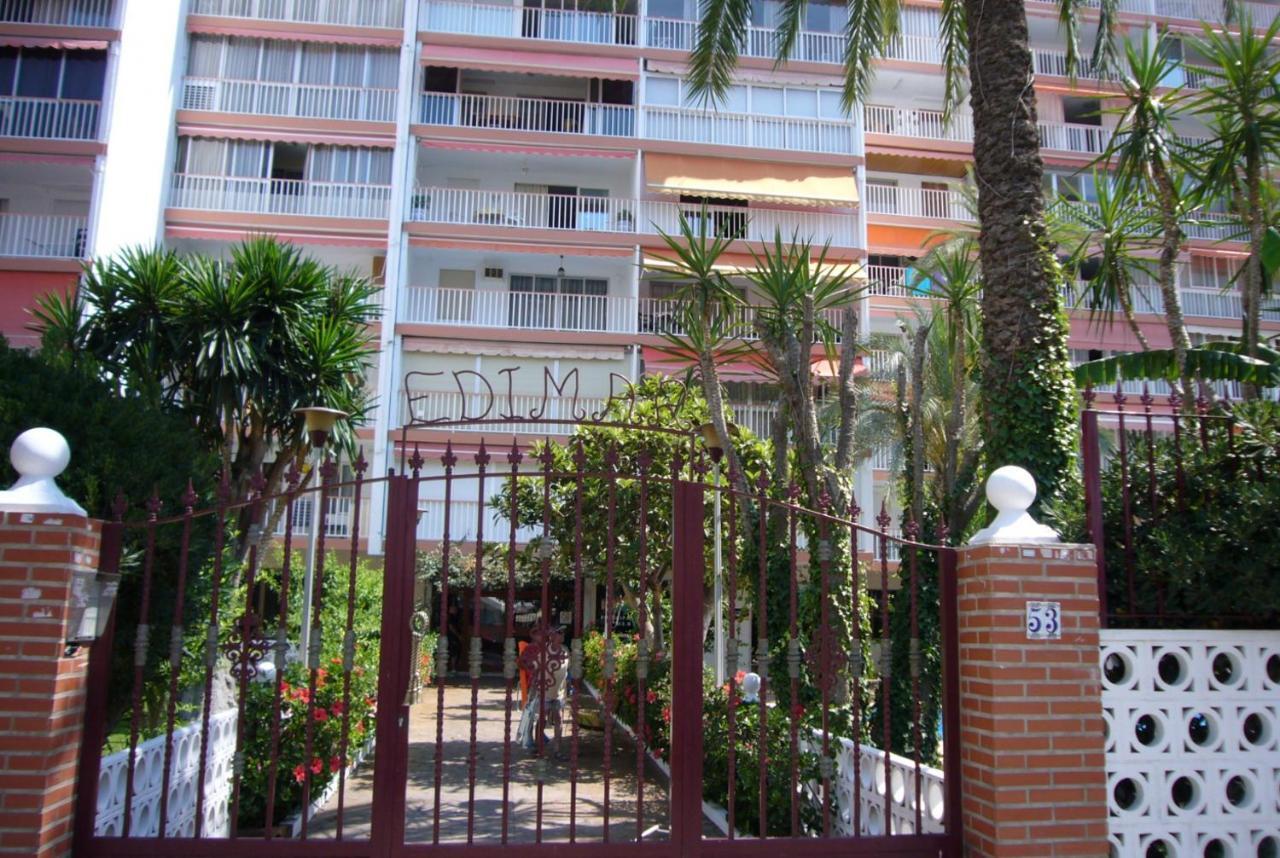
<point>557,572</point>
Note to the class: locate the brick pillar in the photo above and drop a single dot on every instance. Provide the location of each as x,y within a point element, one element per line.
<point>42,689</point>
<point>1031,727</point>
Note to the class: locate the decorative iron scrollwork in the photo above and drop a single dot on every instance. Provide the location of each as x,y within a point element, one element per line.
<point>543,658</point>
<point>247,647</point>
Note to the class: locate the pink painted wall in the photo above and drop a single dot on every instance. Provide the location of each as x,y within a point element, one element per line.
<point>18,293</point>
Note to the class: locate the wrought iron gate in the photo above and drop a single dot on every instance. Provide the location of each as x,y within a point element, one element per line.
<point>568,704</point>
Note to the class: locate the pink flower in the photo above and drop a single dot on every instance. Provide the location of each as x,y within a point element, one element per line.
<point>317,766</point>
<point>651,697</point>
<point>666,714</point>
<point>335,763</point>
<point>299,773</point>
<point>321,714</point>
<point>338,708</point>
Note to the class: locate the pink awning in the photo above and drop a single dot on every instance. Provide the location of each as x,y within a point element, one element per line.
<point>53,44</point>
<point>565,65</point>
<point>340,37</point>
<point>519,247</point>
<point>211,234</point>
<point>512,149</point>
<point>43,158</point>
<point>285,136</point>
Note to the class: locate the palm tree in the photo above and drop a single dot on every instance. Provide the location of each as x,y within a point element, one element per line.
<point>1029,400</point>
<point>1238,103</point>
<point>1149,164</point>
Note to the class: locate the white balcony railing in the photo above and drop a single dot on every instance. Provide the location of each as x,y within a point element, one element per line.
<point>932,203</point>
<point>49,118</point>
<point>337,521</point>
<point>518,310</point>
<point>616,214</point>
<point>745,129</point>
<point>50,236</point>
<point>909,122</point>
<point>538,414</point>
<point>886,280</point>
<point>554,115</point>
<point>464,522</point>
<point>59,13</point>
<point>365,13</point>
<point>280,196</point>
<point>662,316</point>
<point>1073,137</point>
<point>265,98</point>
<point>516,22</point>
<point>1053,62</point>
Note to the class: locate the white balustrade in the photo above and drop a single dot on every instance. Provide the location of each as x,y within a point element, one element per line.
<point>49,118</point>
<point>280,196</point>
<point>754,224</point>
<point>1074,137</point>
<point>521,310</point>
<point>915,49</point>
<point>860,775</point>
<point>722,128</point>
<point>337,521</point>
<point>365,13</point>
<point>887,280</point>
<point>931,203</point>
<point>56,236</point>
<point>184,774</point>
<point>1192,741</point>
<point>920,123</point>
<point>528,22</point>
<point>266,98</point>
<point>882,364</point>
<point>674,34</point>
<point>553,115</point>
<point>1054,62</point>
<point>464,522</point>
<point>538,415</point>
<point>884,458</point>
<point>59,13</point>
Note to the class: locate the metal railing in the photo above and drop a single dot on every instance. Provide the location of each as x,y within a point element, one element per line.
<point>1054,62</point>
<point>1073,137</point>
<point>59,13</point>
<point>337,520</point>
<point>747,129</point>
<point>280,196</point>
<point>521,210</point>
<point>535,414</point>
<point>50,236</point>
<point>463,517</point>
<point>554,115</point>
<point>935,204</point>
<point>364,13</point>
<point>49,118</point>
<point>266,98</point>
<point>516,22</point>
<point>910,122</point>
<point>502,308</point>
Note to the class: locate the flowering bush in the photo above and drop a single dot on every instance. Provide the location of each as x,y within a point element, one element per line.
<point>656,729</point>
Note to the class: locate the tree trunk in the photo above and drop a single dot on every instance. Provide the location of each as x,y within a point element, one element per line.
<point>1029,398</point>
<point>1251,294</point>
<point>1170,247</point>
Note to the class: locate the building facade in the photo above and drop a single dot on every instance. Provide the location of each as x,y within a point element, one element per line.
<point>505,173</point>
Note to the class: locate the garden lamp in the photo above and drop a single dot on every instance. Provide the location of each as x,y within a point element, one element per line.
<point>320,422</point>
<point>89,605</point>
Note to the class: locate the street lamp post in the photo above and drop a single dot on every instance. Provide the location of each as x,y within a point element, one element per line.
<point>319,423</point>
<point>712,440</point>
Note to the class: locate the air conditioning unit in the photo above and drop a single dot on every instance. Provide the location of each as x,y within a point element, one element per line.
<point>200,95</point>
<point>493,274</point>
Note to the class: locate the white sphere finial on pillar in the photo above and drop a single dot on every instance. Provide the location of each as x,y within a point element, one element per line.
<point>39,455</point>
<point>1012,490</point>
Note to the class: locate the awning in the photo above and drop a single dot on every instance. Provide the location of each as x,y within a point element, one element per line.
<point>750,180</point>
<point>658,361</point>
<point>235,235</point>
<point>746,74</point>
<point>272,135</point>
<point>512,149</point>
<point>519,247</point>
<point>198,25</point>
<point>738,263</point>
<point>52,44</point>
<point>528,62</point>
<point>490,348</point>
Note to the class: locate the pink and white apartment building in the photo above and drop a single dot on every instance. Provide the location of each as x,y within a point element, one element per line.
<point>504,172</point>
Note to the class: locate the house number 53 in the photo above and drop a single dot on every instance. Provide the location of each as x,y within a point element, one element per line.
<point>1044,621</point>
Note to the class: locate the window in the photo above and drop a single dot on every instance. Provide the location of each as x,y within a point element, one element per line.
<point>726,224</point>
<point>663,91</point>
<point>8,70</point>
<point>768,100</point>
<point>567,303</point>
<point>802,102</point>
<point>1082,111</point>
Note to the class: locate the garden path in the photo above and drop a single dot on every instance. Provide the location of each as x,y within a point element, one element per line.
<point>522,822</point>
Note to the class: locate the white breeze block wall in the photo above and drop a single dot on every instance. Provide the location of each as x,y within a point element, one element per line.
<point>1193,742</point>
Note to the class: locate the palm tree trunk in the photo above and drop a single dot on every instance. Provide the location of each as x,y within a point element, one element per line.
<point>1125,297</point>
<point>1251,294</point>
<point>1170,247</point>
<point>1029,399</point>
<point>715,406</point>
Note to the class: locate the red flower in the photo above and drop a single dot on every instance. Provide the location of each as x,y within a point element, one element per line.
<point>739,676</point>
<point>317,766</point>
<point>338,708</point>
<point>651,697</point>
<point>797,711</point>
<point>360,727</point>
<point>322,714</point>
<point>335,763</point>
<point>299,773</point>
<point>284,688</point>
<point>335,661</point>
<point>302,695</point>
<point>666,714</point>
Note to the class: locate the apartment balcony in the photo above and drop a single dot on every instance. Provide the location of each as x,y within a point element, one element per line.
<point>280,197</point>
<point>661,316</point>
<point>530,311</point>
<point>1148,300</point>
<point>551,115</point>
<point>42,236</point>
<point>263,98</point>
<point>539,415</point>
<point>1073,137</point>
<point>516,22</point>
<point>1048,61</point>
<point>337,521</point>
<point>929,203</point>
<point>782,133</point>
<point>49,118</point>
<point>914,123</point>
<point>59,13</point>
<point>517,210</point>
<point>343,13</point>
<point>463,518</point>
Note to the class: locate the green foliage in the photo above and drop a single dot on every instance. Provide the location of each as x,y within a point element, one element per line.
<point>656,729</point>
<point>1209,549</point>
<point>297,692</point>
<point>1220,361</point>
